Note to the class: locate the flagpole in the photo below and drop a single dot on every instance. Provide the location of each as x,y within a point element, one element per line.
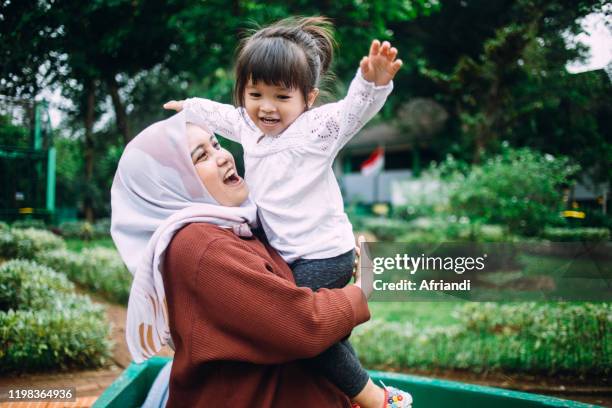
<point>376,187</point>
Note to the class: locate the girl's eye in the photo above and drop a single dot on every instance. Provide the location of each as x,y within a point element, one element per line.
<point>254,94</point>
<point>284,97</point>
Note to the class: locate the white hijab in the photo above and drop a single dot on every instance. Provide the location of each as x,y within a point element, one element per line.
<point>156,191</point>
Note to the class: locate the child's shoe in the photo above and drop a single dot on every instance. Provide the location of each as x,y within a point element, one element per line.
<point>396,398</point>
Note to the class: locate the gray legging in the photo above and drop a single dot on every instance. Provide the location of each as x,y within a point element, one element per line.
<point>339,363</point>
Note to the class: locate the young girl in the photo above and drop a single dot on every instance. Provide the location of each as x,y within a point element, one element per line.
<point>289,150</point>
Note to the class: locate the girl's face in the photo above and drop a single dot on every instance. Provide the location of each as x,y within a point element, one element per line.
<point>216,168</point>
<point>273,108</point>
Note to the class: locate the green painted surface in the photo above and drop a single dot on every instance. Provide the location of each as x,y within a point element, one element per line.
<point>132,386</point>
<point>37,145</point>
<point>50,199</point>
<point>130,390</point>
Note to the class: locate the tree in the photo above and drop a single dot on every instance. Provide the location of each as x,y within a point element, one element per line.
<point>490,88</point>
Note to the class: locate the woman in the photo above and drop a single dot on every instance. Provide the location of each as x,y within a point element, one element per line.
<point>181,218</point>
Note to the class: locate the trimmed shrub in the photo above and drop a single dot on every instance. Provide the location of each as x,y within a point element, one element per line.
<point>98,269</point>
<point>70,333</point>
<point>102,228</point>
<point>44,325</point>
<point>76,229</point>
<point>452,229</point>
<point>576,234</point>
<point>29,223</point>
<point>84,230</point>
<point>385,229</point>
<point>26,285</point>
<point>528,337</point>
<point>520,188</point>
<point>26,243</point>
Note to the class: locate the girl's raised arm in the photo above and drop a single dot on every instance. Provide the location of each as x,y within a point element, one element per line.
<point>336,123</point>
<point>220,118</point>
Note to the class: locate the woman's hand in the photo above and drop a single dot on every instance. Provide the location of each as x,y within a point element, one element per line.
<point>367,291</point>
<point>380,66</point>
<point>174,105</point>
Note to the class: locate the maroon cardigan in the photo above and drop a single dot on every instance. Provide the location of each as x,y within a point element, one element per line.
<point>240,325</point>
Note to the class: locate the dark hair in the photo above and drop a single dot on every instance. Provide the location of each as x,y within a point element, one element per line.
<point>295,52</point>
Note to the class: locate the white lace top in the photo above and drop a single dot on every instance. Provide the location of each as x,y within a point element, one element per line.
<point>290,176</point>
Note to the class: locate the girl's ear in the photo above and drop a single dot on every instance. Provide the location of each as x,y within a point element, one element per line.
<point>312,96</point>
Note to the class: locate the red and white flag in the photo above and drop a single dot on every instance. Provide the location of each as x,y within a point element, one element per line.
<point>375,163</point>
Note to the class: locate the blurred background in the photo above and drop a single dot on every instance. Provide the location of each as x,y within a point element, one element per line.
<point>498,129</point>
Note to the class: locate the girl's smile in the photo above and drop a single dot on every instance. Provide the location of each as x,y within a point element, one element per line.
<point>274,108</point>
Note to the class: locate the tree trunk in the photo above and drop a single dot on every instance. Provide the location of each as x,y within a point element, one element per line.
<point>120,113</point>
<point>90,89</point>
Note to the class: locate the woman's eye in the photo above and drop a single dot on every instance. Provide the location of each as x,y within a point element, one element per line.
<point>217,146</point>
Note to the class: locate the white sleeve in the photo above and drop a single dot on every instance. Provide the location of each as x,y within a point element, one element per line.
<point>333,125</point>
<point>220,118</point>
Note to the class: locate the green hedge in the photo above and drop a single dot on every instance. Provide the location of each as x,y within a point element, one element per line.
<point>85,230</point>
<point>436,229</point>
<point>26,243</point>
<point>527,337</point>
<point>25,285</point>
<point>385,229</point>
<point>100,270</point>
<point>31,223</point>
<point>44,325</point>
<point>576,234</point>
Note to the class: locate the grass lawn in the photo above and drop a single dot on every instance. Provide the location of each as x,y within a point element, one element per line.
<point>75,244</point>
<point>420,314</point>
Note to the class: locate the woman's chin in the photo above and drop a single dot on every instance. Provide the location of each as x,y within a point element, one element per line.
<point>235,194</point>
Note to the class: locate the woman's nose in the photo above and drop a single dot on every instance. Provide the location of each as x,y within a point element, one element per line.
<point>221,160</point>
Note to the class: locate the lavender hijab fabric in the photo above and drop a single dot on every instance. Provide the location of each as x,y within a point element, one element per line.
<point>156,191</point>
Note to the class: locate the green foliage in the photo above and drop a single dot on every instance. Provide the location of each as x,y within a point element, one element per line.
<point>100,270</point>
<point>519,188</point>
<point>29,223</point>
<point>71,333</point>
<point>44,325</point>
<point>452,229</point>
<point>505,79</point>
<point>85,230</point>
<point>528,337</point>
<point>385,229</point>
<point>576,234</point>
<point>27,243</point>
<point>26,285</point>
<point>12,135</point>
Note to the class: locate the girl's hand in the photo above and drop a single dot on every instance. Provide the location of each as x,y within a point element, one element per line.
<point>380,66</point>
<point>174,105</point>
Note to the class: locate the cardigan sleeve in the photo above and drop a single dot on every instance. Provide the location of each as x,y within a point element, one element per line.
<point>220,118</point>
<point>333,125</point>
<point>244,311</point>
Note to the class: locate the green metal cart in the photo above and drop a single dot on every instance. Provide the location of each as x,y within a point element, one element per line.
<point>131,388</point>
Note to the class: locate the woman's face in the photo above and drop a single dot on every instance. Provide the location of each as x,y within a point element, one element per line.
<point>215,167</point>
